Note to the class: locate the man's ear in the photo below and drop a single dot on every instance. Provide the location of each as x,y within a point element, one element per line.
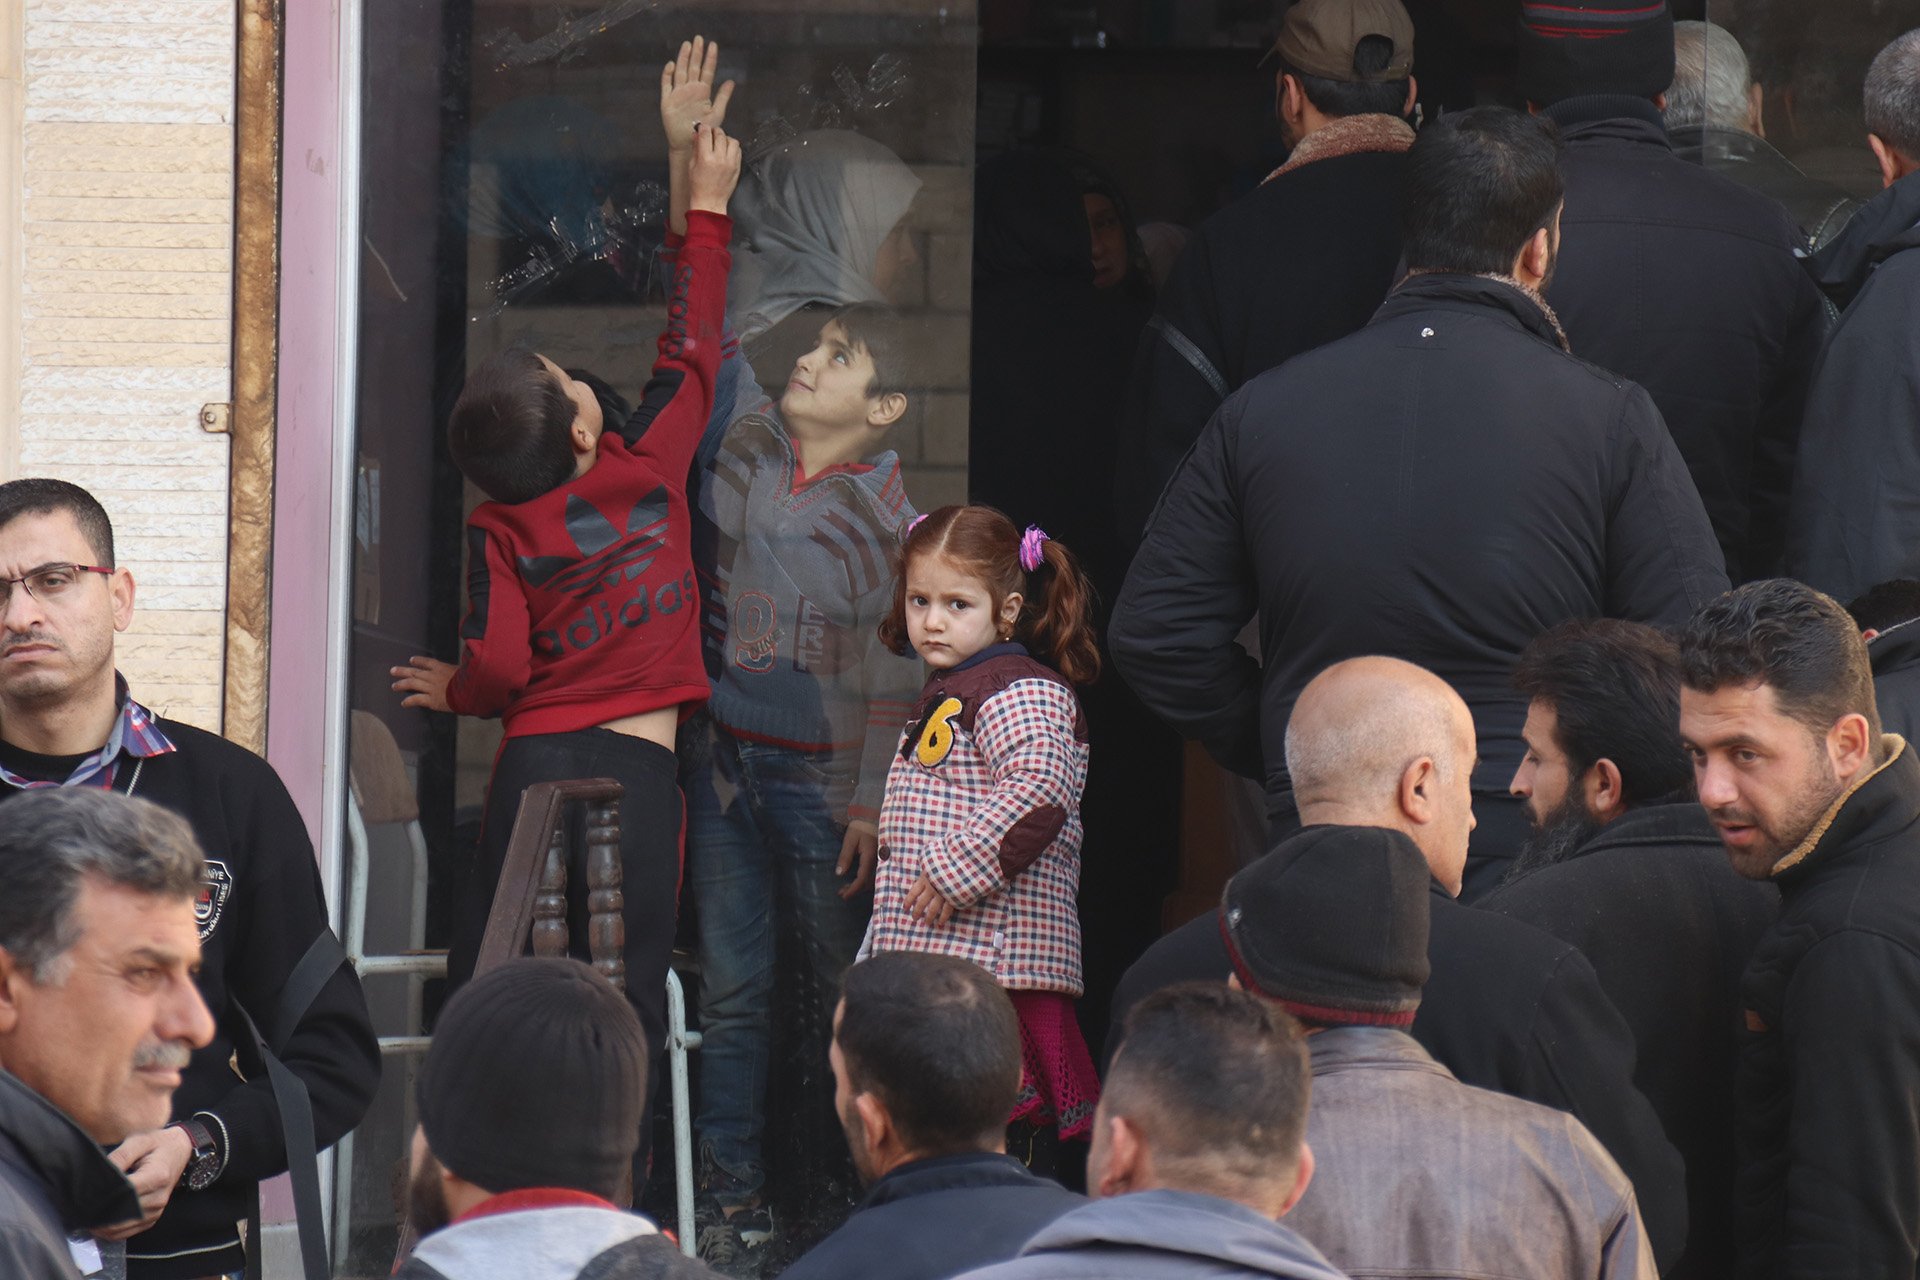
<point>875,1124</point>
<point>884,411</point>
<point>1418,784</point>
<point>1869,634</point>
<point>1290,97</point>
<point>12,979</point>
<point>1893,166</point>
<point>1757,110</point>
<point>1413,96</point>
<point>1605,791</point>
<point>1300,1181</point>
<point>1535,257</point>
<point>1850,745</point>
<point>1126,1159</point>
<point>120,590</point>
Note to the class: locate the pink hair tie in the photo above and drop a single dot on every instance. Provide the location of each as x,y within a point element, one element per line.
<point>1030,543</point>
<point>914,524</point>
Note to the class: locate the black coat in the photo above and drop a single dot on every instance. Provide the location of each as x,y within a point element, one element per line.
<point>1830,1058</point>
<point>53,1180</point>
<point>1686,282</point>
<point>1856,497</point>
<point>1652,901</point>
<point>1302,260</point>
<point>1441,487</point>
<point>1506,1008</point>
<point>936,1218</point>
<point>1895,653</point>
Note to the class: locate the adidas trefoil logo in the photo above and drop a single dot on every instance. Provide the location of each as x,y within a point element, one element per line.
<point>607,557</point>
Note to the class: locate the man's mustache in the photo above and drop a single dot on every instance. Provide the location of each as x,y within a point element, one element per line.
<point>174,1055</point>
<point>15,640</point>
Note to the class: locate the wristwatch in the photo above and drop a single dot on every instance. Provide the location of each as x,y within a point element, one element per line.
<point>204,1165</point>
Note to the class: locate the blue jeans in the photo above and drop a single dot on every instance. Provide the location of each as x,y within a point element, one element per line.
<point>764,829</point>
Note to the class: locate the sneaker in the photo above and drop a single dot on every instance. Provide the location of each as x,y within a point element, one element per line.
<point>717,1241</point>
<point>755,1225</point>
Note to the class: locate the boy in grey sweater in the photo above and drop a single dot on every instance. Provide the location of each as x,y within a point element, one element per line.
<point>801,511</point>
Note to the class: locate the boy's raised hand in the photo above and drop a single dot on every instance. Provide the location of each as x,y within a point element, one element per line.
<point>687,99</point>
<point>715,170</point>
<point>426,682</point>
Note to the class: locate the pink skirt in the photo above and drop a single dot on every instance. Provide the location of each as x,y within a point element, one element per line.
<point>1058,1085</point>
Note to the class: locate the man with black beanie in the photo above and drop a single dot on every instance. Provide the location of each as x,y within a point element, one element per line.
<point>1670,274</point>
<point>1414,1172</point>
<point>529,1103</point>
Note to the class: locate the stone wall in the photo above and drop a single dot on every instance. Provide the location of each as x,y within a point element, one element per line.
<point>118,274</point>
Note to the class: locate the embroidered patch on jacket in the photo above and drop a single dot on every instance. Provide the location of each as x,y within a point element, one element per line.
<point>214,891</point>
<point>935,738</point>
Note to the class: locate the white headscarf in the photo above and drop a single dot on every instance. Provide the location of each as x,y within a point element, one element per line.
<point>812,214</point>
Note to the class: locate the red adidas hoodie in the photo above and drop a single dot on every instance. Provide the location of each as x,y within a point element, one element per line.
<point>582,603</point>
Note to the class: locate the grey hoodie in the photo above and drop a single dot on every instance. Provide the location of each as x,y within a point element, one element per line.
<point>1149,1235</point>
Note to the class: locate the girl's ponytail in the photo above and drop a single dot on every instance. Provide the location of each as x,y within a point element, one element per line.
<point>1057,623</point>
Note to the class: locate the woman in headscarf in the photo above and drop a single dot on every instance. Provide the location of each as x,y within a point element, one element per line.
<point>817,223</point>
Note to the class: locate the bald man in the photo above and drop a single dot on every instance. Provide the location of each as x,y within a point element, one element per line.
<point>1377,742</point>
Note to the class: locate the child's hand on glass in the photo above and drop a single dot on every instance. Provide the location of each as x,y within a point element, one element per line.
<point>687,98</point>
<point>714,170</point>
<point>426,680</point>
<point>858,852</point>
<point>927,904</point>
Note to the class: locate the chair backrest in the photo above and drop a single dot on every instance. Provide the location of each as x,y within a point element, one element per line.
<point>530,900</point>
<point>378,774</point>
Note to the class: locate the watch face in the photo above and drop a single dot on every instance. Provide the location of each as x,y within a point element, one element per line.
<point>202,1170</point>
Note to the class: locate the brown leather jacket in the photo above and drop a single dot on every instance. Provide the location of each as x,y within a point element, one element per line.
<point>1420,1177</point>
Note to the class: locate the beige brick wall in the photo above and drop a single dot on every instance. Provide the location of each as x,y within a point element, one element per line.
<point>121,249</point>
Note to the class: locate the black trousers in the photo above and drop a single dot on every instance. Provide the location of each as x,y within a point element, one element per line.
<point>652,819</point>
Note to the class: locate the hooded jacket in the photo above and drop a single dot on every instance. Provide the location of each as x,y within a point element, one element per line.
<point>1669,927</point>
<point>1830,1055</point>
<point>1304,259</point>
<point>54,1180</point>
<point>1895,654</point>
<point>1855,519</point>
<point>1441,487</point>
<point>1687,282</point>
<point>938,1217</point>
<point>1163,1235</point>
<point>812,214</point>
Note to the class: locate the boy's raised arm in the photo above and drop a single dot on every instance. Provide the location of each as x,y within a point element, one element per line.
<point>688,104</point>
<point>672,415</point>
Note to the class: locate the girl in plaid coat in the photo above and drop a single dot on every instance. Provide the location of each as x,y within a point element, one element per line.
<point>980,829</point>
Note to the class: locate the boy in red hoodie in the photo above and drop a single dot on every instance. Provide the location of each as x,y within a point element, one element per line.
<point>583,626</point>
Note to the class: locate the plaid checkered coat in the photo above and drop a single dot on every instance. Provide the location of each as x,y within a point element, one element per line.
<point>984,796</point>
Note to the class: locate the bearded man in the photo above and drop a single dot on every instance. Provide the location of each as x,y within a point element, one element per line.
<point>1777,712</point>
<point>1623,864</point>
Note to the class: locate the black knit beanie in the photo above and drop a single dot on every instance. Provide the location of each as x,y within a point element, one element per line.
<point>535,1079</point>
<point>1333,925</point>
<point>1580,48</point>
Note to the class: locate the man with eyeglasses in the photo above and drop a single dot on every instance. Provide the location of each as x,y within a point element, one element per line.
<point>68,719</point>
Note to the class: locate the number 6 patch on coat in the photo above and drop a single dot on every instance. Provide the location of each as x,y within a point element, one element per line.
<point>934,738</point>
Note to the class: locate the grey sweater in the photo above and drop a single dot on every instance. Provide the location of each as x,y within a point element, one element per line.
<point>797,573</point>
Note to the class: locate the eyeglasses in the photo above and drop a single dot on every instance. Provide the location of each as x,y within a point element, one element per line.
<point>49,584</point>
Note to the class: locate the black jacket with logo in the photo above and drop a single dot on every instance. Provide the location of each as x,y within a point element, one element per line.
<point>262,907</point>
<point>53,1180</point>
<point>1441,487</point>
<point>1507,1008</point>
<point>1830,1057</point>
<point>1687,282</point>
<point>1856,497</point>
<point>1669,926</point>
